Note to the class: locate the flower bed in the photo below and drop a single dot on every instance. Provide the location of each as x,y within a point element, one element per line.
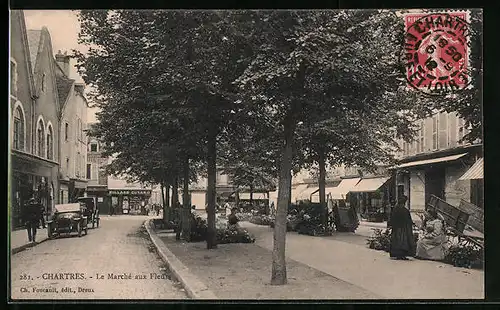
<point>292,221</point>
<point>224,233</point>
<point>381,239</point>
<point>245,216</point>
<point>234,235</point>
<point>464,255</point>
<point>265,220</point>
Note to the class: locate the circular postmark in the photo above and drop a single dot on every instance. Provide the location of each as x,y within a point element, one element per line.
<point>436,52</point>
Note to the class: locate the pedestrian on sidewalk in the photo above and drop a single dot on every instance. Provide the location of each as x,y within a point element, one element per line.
<point>402,240</point>
<point>31,218</point>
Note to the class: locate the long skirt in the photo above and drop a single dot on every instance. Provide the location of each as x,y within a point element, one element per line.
<point>402,242</point>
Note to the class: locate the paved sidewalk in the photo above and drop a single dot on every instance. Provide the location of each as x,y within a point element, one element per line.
<point>374,271</point>
<point>19,239</point>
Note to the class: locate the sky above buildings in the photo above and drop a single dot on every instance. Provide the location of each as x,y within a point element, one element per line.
<point>64,27</point>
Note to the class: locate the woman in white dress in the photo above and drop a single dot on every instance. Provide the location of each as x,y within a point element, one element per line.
<point>432,245</point>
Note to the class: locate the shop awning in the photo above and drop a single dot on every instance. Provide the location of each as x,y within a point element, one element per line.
<point>345,186</point>
<point>370,185</point>
<point>475,172</point>
<point>306,194</point>
<point>431,161</point>
<point>296,190</point>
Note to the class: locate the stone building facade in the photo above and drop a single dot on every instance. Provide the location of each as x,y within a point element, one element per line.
<point>34,107</point>
<point>434,162</point>
<point>73,142</point>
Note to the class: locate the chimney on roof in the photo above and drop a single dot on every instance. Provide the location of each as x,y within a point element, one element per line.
<point>63,60</point>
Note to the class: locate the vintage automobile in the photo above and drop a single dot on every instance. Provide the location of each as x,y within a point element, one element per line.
<point>91,210</point>
<point>68,218</point>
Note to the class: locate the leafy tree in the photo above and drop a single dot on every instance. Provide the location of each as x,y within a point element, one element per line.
<point>329,79</point>
<point>182,60</point>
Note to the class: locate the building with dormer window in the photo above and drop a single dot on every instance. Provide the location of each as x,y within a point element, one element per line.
<point>73,115</point>
<point>34,107</point>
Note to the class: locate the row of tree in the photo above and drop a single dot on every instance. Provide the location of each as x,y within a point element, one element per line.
<point>261,93</point>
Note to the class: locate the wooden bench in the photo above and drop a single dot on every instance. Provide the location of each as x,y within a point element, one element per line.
<point>457,219</point>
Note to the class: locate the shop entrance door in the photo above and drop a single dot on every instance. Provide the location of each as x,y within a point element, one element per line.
<point>434,183</point>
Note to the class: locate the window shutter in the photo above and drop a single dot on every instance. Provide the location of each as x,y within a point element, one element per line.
<point>443,130</point>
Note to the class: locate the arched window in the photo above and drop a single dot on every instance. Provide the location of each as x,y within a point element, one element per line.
<point>40,135</point>
<point>18,139</point>
<point>50,142</point>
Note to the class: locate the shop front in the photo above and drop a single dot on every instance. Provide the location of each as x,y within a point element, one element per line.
<point>129,201</point>
<point>77,188</point>
<point>31,177</point>
<point>103,200</point>
<point>373,198</point>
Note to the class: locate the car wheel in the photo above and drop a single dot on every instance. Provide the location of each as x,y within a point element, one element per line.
<point>79,229</point>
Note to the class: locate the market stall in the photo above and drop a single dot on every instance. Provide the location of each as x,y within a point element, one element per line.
<point>372,198</point>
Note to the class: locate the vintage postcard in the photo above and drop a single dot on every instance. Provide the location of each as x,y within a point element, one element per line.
<point>246,154</point>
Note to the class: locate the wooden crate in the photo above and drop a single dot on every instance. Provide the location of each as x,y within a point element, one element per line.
<point>453,216</point>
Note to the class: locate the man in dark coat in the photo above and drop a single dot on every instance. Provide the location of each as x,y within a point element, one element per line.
<point>32,215</point>
<point>402,240</point>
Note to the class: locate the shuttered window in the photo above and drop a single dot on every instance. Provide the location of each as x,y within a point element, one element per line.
<point>443,130</point>
<point>435,123</point>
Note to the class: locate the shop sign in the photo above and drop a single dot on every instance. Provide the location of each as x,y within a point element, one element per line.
<point>130,192</point>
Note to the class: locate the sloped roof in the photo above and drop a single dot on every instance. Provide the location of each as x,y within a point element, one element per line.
<point>63,88</point>
<point>34,37</point>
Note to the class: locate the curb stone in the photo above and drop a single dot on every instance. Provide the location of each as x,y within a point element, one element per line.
<point>26,246</point>
<point>195,289</point>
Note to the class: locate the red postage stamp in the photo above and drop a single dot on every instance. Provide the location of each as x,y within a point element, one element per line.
<point>437,51</point>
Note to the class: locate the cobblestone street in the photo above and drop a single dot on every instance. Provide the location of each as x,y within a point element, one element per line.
<point>69,267</point>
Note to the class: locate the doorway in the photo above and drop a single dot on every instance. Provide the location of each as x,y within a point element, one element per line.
<point>435,183</point>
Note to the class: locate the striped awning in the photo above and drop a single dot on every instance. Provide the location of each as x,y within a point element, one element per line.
<point>306,194</point>
<point>345,186</point>
<point>369,185</point>
<point>475,172</point>
<point>296,190</point>
<point>431,161</point>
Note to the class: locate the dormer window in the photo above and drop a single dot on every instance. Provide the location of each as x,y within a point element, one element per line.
<point>93,147</point>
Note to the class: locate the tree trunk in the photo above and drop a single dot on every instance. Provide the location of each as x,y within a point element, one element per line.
<point>165,220</point>
<point>175,207</point>
<point>211,188</point>
<point>251,196</point>
<point>186,205</point>
<point>166,209</point>
<point>278,273</point>
<point>322,182</point>
<point>175,193</point>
